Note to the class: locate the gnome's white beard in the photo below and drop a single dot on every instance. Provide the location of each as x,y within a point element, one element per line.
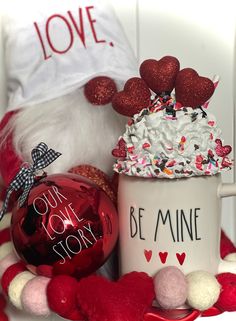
<point>83,133</point>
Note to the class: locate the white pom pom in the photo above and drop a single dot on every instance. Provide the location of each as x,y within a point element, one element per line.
<point>5,249</point>
<point>203,290</point>
<point>230,257</point>
<point>16,286</point>
<point>6,221</point>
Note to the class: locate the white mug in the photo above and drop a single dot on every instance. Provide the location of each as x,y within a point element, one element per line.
<point>166,222</point>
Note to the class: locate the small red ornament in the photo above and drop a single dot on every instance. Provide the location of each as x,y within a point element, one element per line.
<point>67,223</point>
<point>227,298</point>
<point>191,89</point>
<point>100,90</point>
<point>135,96</point>
<point>160,75</point>
<point>98,177</point>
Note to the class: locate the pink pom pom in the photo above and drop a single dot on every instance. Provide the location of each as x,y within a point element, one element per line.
<point>170,287</point>
<point>34,298</point>
<point>7,261</point>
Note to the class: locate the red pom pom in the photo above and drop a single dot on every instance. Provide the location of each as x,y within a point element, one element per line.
<point>127,299</point>
<point>100,90</point>
<point>44,270</point>
<point>10,273</point>
<point>3,316</point>
<point>226,246</point>
<point>192,90</point>
<point>160,75</point>
<point>227,298</point>
<point>61,294</point>
<point>134,97</point>
<point>5,235</point>
<point>75,315</point>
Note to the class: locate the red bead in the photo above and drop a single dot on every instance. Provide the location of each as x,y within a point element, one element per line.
<point>9,275</point>
<point>61,294</point>
<point>227,298</point>
<point>100,90</point>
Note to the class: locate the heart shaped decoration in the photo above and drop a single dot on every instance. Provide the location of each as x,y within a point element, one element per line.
<point>148,255</point>
<point>181,257</point>
<point>221,150</point>
<point>126,299</point>
<point>160,75</point>
<point>120,150</point>
<point>192,90</point>
<point>163,257</point>
<point>135,96</point>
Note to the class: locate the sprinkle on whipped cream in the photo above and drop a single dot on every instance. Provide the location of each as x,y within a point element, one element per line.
<point>167,140</point>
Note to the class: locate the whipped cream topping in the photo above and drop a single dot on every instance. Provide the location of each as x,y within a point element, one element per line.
<point>172,143</point>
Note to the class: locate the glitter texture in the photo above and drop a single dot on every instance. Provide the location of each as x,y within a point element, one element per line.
<point>191,89</point>
<point>100,90</point>
<point>160,75</point>
<point>135,96</point>
<point>98,177</point>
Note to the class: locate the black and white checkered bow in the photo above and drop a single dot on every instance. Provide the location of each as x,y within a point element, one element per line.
<point>24,179</point>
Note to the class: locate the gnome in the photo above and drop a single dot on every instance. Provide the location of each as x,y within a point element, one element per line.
<point>61,76</point>
<point>71,59</point>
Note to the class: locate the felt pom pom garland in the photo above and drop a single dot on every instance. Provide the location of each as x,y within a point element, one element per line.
<point>60,295</point>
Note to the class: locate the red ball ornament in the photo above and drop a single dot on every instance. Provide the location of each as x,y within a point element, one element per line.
<point>67,223</point>
<point>100,90</point>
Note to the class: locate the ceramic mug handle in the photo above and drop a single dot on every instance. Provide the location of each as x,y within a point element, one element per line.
<point>225,190</point>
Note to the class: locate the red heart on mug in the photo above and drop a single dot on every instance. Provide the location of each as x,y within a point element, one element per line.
<point>126,299</point>
<point>160,75</point>
<point>192,90</point>
<point>163,257</point>
<point>135,96</point>
<point>181,257</point>
<point>148,255</point>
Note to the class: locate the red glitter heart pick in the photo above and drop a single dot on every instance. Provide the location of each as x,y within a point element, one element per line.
<point>160,75</point>
<point>191,89</point>
<point>134,97</point>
